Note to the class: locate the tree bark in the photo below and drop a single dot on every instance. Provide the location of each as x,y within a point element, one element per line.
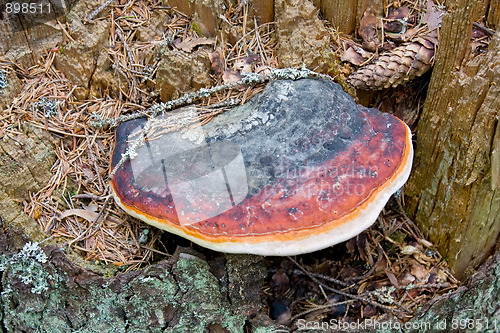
<point>185,293</point>
<point>454,191</point>
<point>182,294</point>
<point>345,15</point>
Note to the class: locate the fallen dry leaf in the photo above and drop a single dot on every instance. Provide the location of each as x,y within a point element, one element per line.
<point>425,242</point>
<point>396,20</point>
<point>368,27</point>
<point>217,62</point>
<point>242,65</point>
<point>478,47</point>
<point>188,44</point>
<point>392,278</point>
<point>400,13</point>
<point>83,213</point>
<point>432,17</point>
<point>406,279</point>
<point>353,57</point>
<point>279,282</point>
<point>418,270</point>
<point>409,250</point>
<point>88,173</point>
<point>247,64</point>
<point>231,76</point>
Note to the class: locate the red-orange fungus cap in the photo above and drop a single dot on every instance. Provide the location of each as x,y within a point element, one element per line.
<point>298,168</point>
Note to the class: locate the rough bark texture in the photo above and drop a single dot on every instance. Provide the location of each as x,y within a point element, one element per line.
<point>181,294</point>
<point>299,29</point>
<point>453,192</point>
<point>26,45</point>
<point>25,162</point>
<point>264,10</point>
<point>203,12</point>
<point>491,10</point>
<point>83,58</point>
<point>346,14</point>
<point>10,91</point>
<point>179,73</point>
<point>188,294</point>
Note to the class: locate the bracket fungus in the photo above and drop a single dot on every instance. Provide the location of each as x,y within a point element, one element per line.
<point>298,168</point>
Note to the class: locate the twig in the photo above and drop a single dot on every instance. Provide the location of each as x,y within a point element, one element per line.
<point>89,196</point>
<point>362,299</point>
<point>320,307</point>
<point>154,250</point>
<point>484,29</point>
<point>125,45</point>
<point>250,79</point>
<point>408,220</point>
<point>93,224</point>
<point>372,270</point>
<point>88,18</point>
<point>324,277</point>
<point>50,129</point>
<point>424,286</point>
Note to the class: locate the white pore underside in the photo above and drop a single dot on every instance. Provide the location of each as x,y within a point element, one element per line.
<point>360,222</point>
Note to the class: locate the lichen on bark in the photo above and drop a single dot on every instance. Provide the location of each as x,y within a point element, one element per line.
<point>180,294</point>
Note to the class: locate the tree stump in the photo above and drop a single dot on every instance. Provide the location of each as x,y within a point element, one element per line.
<point>454,190</point>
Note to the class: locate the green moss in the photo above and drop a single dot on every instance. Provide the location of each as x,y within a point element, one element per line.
<point>196,29</point>
<point>470,309</point>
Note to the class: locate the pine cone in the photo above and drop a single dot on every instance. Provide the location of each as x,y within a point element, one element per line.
<point>396,66</point>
